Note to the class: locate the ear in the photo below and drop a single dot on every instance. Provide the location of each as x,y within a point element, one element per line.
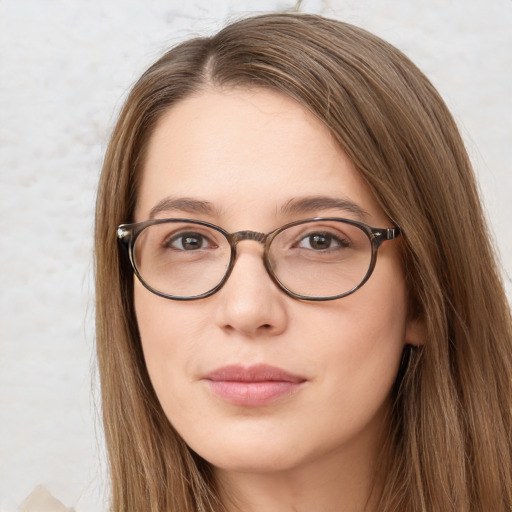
<point>415,332</point>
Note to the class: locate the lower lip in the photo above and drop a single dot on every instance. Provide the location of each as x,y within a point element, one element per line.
<point>252,394</point>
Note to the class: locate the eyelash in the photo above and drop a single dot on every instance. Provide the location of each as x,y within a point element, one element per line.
<point>340,242</point>
<point>169,241</point>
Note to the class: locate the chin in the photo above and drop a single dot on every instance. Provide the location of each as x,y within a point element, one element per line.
<point>252,463</point>
<point>250,456</point>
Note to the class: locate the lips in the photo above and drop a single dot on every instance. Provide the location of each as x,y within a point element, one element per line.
<point>252,386</point>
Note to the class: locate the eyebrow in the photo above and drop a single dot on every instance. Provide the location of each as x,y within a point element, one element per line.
<point>310,204</point>
<point>303,205</point>
<point>185,204</point>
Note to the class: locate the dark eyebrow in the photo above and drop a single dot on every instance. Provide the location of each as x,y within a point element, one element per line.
<point>308,205</point>
<point>185,204</point>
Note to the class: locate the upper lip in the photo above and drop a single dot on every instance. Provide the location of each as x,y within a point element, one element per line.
<point>255,373</point>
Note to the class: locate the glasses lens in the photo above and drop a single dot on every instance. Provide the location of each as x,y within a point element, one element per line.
<point>321,258</point>
<point>182,259</point>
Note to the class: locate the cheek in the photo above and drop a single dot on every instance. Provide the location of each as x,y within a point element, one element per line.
<point>364,348</point>
<point>362,340</point>
<point>167,333</point>
<point>162,321</point>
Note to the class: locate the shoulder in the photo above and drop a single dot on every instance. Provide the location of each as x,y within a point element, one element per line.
<point>40,500</point>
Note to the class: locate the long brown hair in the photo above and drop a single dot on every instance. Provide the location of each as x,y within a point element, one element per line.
<point>450,445</point>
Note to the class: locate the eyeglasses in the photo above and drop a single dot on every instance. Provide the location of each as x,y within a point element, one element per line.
<point>312,259</point>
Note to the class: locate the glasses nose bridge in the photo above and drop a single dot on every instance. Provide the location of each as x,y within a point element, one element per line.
<point>237,237</point>
<point>255,236</point>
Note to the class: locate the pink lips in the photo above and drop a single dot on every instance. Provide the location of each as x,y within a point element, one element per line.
<point>252,386</point>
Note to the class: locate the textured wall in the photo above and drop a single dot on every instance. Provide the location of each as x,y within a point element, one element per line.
<point>65,66</point>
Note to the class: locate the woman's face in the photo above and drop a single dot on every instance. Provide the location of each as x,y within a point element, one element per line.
<point>252,379</point>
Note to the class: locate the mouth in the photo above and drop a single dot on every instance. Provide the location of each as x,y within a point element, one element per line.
<point>252,386</point>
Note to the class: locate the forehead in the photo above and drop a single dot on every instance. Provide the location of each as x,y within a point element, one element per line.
<point>245,151</point>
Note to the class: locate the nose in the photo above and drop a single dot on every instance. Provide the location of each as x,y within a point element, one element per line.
<point>249,302</point>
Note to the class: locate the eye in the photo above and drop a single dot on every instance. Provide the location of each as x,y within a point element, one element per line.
<point>322,242</point>
<point>188,241</point>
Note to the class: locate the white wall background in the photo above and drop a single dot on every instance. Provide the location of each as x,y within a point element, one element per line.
<point>65,66</point>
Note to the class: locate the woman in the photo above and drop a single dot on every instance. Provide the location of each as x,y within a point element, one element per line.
<point>254,352</point>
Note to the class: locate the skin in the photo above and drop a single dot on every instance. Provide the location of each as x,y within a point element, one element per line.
<point>248,153</point>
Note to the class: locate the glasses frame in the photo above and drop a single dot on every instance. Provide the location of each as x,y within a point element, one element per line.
<point>127,235</point>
